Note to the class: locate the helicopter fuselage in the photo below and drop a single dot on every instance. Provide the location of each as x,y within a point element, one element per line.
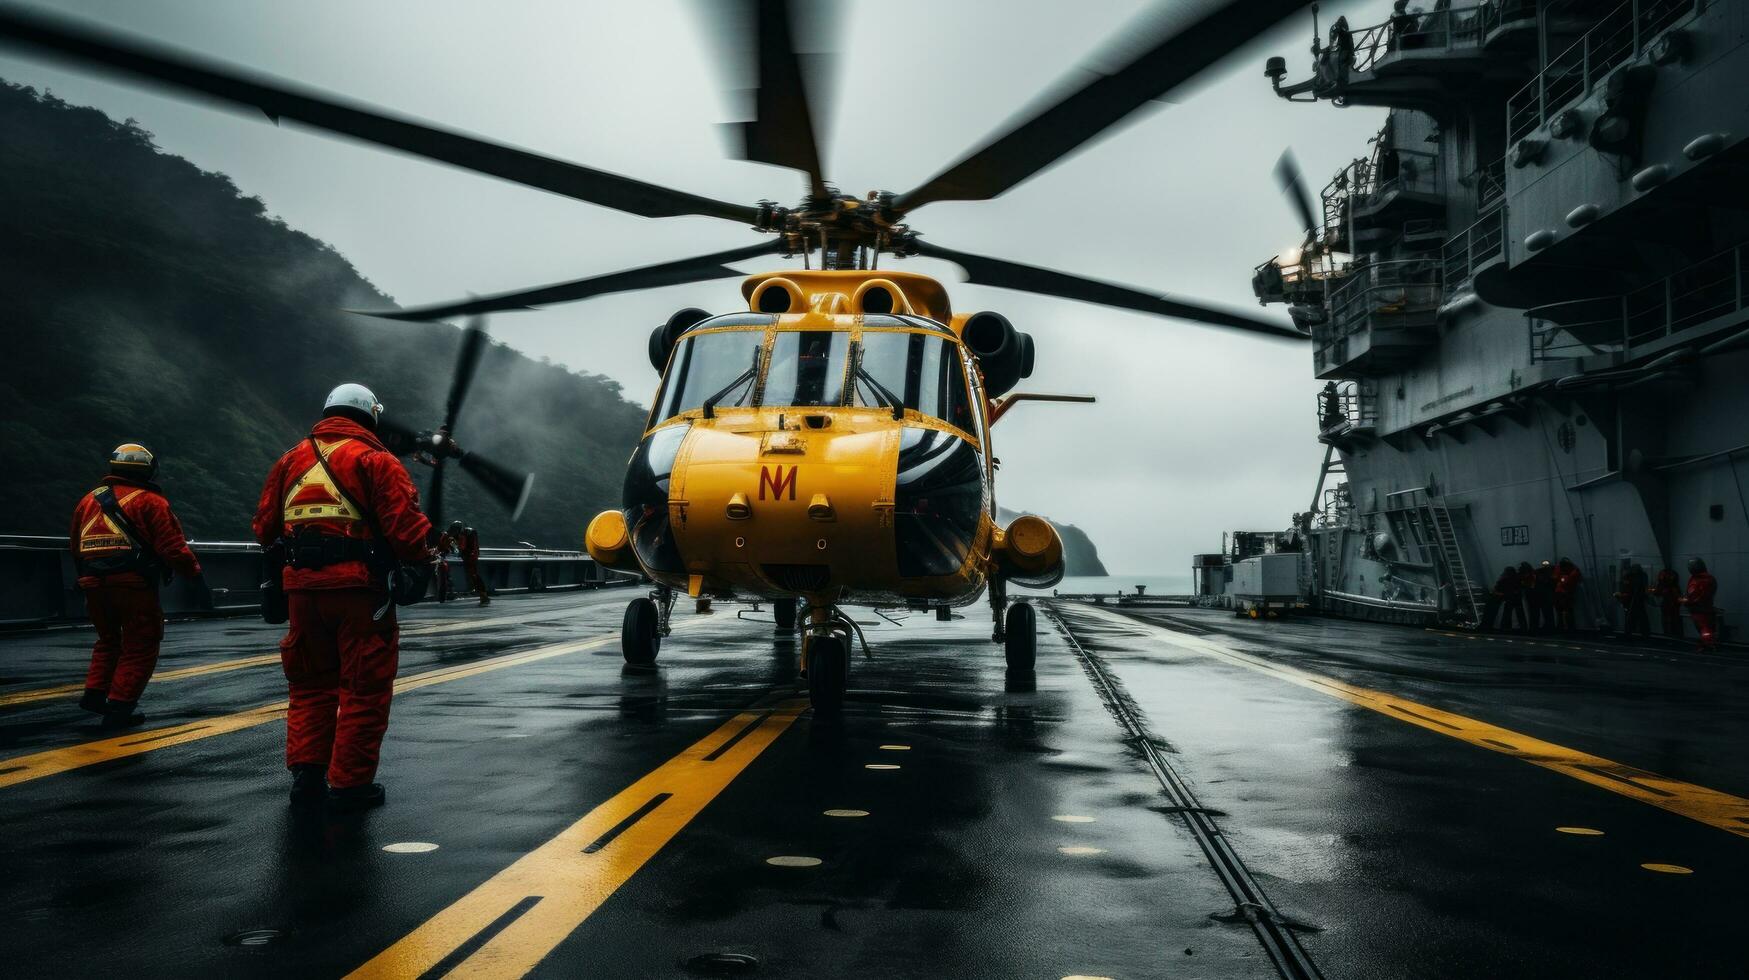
<point>830,453</point>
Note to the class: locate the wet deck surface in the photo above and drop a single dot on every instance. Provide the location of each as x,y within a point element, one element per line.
<point>1352,766</point>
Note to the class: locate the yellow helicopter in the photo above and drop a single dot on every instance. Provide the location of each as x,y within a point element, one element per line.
<point>831,442</point>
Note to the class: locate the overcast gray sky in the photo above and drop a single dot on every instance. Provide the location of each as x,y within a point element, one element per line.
<point>1197,430</point>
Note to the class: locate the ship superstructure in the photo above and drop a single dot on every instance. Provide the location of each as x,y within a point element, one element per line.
<point>1530,299</point>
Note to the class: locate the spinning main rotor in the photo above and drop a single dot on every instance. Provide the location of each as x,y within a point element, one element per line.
<point>1166,49</point>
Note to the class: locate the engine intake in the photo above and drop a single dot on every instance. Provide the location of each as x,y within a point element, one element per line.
<point>1004,354</point>
<point>664,337</point>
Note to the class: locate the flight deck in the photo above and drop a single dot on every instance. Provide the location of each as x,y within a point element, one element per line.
<point>1172,793</point>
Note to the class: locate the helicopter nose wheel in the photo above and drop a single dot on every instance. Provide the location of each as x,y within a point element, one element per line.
<point>828,674</point>
<point>640,634</point>
<point>1020,640</point>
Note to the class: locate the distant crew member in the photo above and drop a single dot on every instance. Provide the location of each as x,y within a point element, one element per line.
<point>125,541</point>
<point>1330,407</point>
<point>1702,587</point>
<point>1567,579</point>
<point>1668,591</point>
<point>465,541</point>
<point>345,515</point>
<point>1542,599</point>
<point>1504,611</point>
<point>1633,601</point>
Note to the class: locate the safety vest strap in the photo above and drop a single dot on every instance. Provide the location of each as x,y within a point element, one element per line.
<point>316,495</point>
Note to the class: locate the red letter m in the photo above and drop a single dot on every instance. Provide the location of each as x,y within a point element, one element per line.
<point>777,479</point>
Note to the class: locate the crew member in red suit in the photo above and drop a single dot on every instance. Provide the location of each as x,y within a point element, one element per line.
<point>466,542</point>
<point>123,551</point>
<point>344,517</point>
<point>1699,600</point>
<point>1668,593</point>
<point>1567,579</point>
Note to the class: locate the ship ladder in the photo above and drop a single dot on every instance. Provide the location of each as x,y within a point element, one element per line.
<point>1468,597</point>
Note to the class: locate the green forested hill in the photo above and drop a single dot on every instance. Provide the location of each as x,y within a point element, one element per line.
<point>144,299</point>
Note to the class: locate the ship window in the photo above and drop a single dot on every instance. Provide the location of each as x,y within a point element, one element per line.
<point>807,368</point>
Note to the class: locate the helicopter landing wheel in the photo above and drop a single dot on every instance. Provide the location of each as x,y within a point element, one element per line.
<point>640,637</point>
<point>1020,644</point>
<point>783,611</point>
<point>828,674</point>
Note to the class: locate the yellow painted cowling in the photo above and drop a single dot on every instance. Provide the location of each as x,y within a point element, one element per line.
<point>608,543</point>
<point>1030,552</point>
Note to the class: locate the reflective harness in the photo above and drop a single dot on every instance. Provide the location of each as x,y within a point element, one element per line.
<point>109,544</point>
<point>309,546</point>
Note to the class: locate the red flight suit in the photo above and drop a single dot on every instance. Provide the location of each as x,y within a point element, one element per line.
<point>1567,581</point>
<point>124,605</point>
<point>1699,600</point>
<point>1669,597</point>
<point>468,543</point>
<point>340,663</point>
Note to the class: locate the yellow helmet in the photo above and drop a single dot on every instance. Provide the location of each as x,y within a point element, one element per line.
<point>133,459</point>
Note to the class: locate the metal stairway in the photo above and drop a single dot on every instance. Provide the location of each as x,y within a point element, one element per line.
<point>1468,597</point>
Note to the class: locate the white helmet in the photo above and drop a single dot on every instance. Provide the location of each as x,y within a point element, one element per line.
<point>355,396</point>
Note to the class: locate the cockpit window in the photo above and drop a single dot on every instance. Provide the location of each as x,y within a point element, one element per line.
<point>923,371</point>
<point>807,368</point>
<point>750,364</point>
<point>706,364</point>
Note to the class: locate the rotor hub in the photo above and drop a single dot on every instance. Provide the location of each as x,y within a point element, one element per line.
<point>848,232</point>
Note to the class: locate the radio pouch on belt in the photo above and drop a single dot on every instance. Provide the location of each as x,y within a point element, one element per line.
<point>407,584</point>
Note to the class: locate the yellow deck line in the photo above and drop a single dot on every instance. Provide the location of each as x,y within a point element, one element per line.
<point>1708,806</point>
<point>47,693</point>
<point>24,768</point>
<point>222,666</point>
<point>558,885</point>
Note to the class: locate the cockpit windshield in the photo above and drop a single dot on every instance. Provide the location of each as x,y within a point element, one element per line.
<point>743,360</point>
<point>807,368</point>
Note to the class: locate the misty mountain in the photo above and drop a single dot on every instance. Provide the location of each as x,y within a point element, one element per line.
<point>147,300</point>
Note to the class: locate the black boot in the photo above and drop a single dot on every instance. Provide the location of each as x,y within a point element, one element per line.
<point>309,784</point>
<point>92,700</point>
<point>351,799</point>
<point>121,714</point>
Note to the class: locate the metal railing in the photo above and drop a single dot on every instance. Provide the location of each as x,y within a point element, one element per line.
<point>1435,31</point>
<point>1476,245</point>
<point>38,583</point>
<point>1707,290</point>
<point>1616,39</point>
<point>1398,288</point>
<point>1349,406</point>
<point>1489,183</point>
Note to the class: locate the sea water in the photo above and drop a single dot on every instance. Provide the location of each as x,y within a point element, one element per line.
<point>1113,584</point>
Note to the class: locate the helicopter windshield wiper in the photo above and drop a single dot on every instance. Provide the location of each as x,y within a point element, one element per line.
<point>710,404</point>
<point>881,392</point>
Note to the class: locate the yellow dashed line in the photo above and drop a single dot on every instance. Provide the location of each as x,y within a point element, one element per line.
<point>551,890</point>
<point>24,768</point>
<point>1709,806</point>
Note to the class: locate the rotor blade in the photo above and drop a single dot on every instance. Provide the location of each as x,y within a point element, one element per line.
<point>1183,49</point>
<point>674,273</point>
<point>1293,187</point>
<point>759,43</point>
<point>397,438</point>
<point>95,47</point>
<point>1034,279</point>
<point>507,486</point>
<point>434,499</point>
<point>467,361</point>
